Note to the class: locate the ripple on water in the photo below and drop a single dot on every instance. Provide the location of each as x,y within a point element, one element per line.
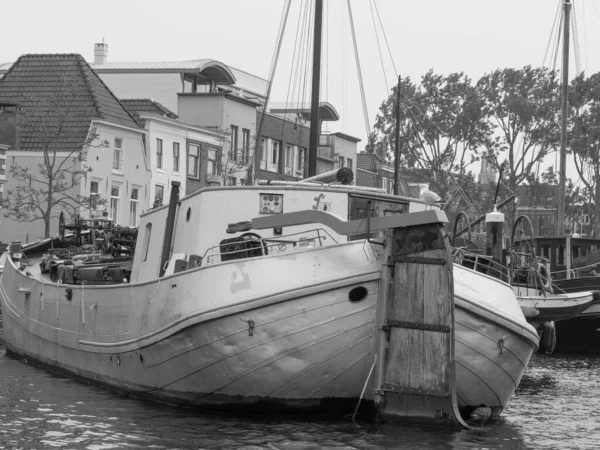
<point>554,407</point>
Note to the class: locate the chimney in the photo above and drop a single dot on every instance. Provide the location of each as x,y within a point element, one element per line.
<point>100,53</point>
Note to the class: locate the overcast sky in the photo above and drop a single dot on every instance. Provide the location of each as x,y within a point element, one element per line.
<point>472,36</point>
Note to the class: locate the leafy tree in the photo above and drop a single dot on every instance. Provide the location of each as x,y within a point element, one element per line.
<point>42,193</point>
<point>523,106</point>
<point>584,141</point>
<point>442,126</point>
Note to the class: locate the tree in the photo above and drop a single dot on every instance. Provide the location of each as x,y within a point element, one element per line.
<point>523,107</point>
<point>584,140</point>
<point>443,124</point>
<point>42,193</point>
<point>236,160</point>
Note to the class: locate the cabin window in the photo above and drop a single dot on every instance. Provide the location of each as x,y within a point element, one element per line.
<point>349,163</point>
<point>176,156</point>
<point>193,160</point>
<point>118,155</point>
<point>159,153</point>
<point>114,203</point>
<point>146,246</point>
<point>234,143</point>
<point>134,207</point>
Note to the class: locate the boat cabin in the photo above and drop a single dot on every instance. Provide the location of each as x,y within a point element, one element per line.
<point>213,224</point>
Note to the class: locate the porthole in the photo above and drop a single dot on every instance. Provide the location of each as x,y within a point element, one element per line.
<point>357,294</point>
<point>188,214</point>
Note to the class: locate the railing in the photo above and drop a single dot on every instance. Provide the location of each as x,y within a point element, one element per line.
<point>523,269</point>
<point>267,246</point>
<point>480,263</point>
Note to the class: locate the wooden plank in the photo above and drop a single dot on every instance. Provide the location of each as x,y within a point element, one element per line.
<point>418,371</point>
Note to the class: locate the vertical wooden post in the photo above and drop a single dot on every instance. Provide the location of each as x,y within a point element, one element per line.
<point>495,222</point>
<point>418,367</point>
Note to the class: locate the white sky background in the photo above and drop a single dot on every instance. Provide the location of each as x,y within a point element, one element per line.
<point>471,36</point>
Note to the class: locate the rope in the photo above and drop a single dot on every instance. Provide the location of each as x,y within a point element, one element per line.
<point>360,79</point>
<point>387,89</point>
<point>362,394</point>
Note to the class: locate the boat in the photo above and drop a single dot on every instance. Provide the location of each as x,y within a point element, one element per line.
<point>284,297</point>
<point>298,322</point>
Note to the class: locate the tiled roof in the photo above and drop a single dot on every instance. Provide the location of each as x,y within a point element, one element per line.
<point>59,92</point>
<point>146,105</point>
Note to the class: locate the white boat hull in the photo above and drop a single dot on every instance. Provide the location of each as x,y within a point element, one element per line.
<point>493,344</point>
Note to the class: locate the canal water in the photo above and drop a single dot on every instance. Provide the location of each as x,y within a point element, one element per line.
<point>556,406</point>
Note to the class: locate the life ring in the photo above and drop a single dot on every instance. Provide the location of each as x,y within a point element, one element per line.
<point>543,275</point>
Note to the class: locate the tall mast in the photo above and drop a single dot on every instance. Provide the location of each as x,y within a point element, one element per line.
<point>316,84</point>
<point>560,219</point>
<point>397,142</point>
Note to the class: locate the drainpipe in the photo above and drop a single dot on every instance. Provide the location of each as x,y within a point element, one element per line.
<point>170,225</point>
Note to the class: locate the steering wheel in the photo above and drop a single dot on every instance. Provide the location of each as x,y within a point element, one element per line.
<point>256,242</point>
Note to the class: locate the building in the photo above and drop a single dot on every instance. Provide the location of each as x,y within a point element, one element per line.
<point>58,107</point>
<point>3,149</point>
<point>177,150</point>
<point>163,81</point>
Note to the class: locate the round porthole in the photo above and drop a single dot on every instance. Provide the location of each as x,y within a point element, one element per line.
<point>188,214</point>
<point>357,294</point>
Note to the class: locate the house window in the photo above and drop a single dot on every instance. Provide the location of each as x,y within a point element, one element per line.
<point>274,152</point>
<point>263,153</point>
<point>94,194</point>
<point>118,155</point>
<point>114,203</point>
<point>159,153</point>
<point>134,207</point>
<point>176,156</point>
<point>300,162</point>
<point>341,161</point>
<point>234,143</point>
<point>193,160</point>
<point>211,167</point>
<point>159,192</point>
<point>289,160</point>
<point>273,161</point>
<point>146,241</point>
<point>349,163</point>
<point>246,145</point>
<point>232,181</point>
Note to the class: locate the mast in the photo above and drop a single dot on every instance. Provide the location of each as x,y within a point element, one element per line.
<point>397,143</point>
<point>560,219</point>
<point>316,84</point>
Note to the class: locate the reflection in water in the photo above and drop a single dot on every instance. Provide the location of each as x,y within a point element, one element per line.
<point>555,407</point>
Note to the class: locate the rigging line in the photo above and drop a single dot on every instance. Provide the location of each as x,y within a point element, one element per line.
<point>552,31</point>
<point>558,39</point>
<point>385,38</point>
<point>387,89</point>
<point>272,70</point>
<point>292,79</point>
<point>360,79</point>
<point>307,63</point>
<point>585,36</point>
<point>576,42</point>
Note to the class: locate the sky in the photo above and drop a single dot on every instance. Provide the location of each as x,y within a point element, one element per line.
<point>470,36</point>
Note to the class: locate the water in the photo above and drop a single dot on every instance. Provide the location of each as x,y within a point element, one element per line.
<point>556,406</point>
